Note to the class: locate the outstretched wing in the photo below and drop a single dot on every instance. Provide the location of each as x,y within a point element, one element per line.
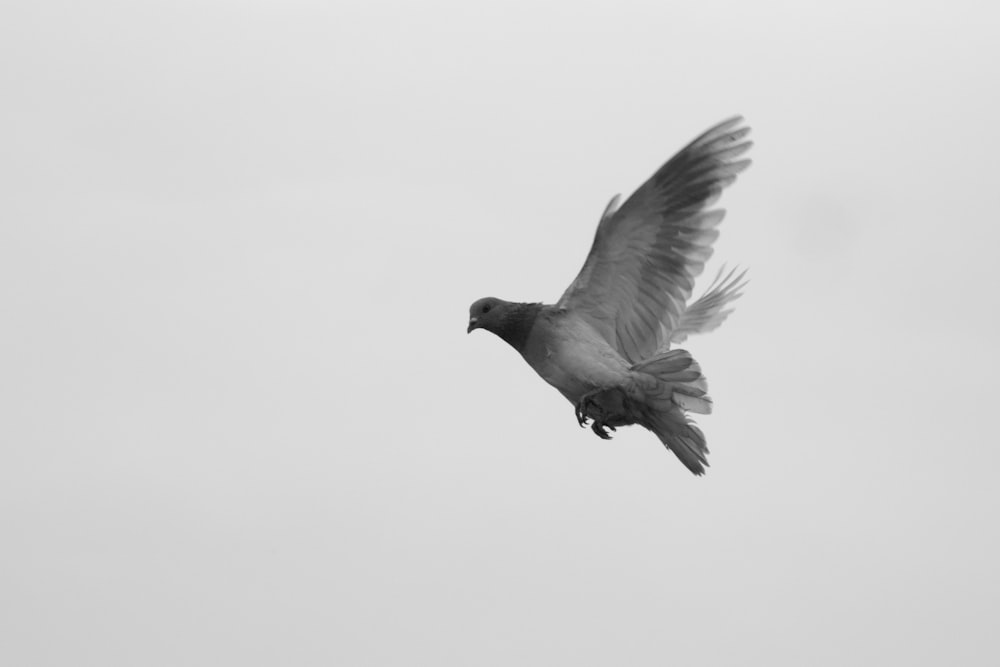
<point>646,254</point>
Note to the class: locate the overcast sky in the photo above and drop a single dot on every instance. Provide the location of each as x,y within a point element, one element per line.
<point>242,422</point>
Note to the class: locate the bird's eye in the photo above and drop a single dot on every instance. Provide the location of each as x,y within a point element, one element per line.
<point>486,308</point>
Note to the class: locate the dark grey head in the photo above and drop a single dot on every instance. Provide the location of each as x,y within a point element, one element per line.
<point>511,321</point>
<point>488,313</point>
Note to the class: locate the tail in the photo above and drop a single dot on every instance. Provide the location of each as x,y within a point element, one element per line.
<point>680,387</point>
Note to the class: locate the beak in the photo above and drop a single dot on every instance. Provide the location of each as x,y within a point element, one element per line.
<point>473,324</point>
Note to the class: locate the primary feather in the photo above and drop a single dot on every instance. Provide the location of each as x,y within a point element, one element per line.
<point>605,344</point>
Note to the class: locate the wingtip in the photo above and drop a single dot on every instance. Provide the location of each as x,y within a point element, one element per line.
<point>731,123</point>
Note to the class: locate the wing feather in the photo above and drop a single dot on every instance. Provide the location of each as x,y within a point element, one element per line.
<point>646,254</point>
<point>712,308</point>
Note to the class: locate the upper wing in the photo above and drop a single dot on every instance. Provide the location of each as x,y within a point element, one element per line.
<point>646,254</point>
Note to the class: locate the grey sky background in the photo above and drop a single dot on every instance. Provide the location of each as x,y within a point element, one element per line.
<point>243,423</point>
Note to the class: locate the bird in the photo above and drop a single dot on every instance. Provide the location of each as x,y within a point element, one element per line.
<point>606,343</point>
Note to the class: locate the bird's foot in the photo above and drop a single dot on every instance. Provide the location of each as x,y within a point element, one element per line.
<point>586,407</point>
<point>608,408</point>
<point>598,428</point>
<point>589,407</point>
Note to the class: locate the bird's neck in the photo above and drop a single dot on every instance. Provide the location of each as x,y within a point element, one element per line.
<point>516,324</point>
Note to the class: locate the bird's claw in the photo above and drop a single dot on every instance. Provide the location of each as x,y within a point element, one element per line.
<point>583,408</point>
<point>587,408</point>
<point>598,428</point>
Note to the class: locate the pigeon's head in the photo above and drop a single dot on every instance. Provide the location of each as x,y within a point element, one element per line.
<point>488,313</point>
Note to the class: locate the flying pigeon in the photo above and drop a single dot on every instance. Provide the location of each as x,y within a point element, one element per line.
<point>605,345</point>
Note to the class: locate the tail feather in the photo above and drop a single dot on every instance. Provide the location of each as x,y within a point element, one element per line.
<point>681,437</point>
<point>680,387</point>
<point>679,379</point>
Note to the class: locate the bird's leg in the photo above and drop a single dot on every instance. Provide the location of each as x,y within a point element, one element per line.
<point>607,407</point>
<point>598,428</point>
<point>588,407</point>
<point>583,407</point>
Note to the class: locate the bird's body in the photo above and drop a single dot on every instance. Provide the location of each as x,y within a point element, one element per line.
<point>571,356</point>
<point>605,344</point>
